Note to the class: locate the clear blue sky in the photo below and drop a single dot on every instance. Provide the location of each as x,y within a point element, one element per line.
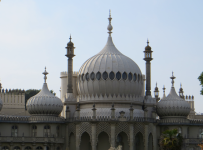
<point>34,34</point>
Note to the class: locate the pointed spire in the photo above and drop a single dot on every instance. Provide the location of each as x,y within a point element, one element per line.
<point>147,42</point>
<point>164,95</point>
<point>45,75</point>
<point>110,26</point>
<point>172,79</point>
<point>180,85</point>
<point>70,38</point>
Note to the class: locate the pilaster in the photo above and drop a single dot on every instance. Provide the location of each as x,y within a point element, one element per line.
<point>146,137</point>
<point>77,136</point>
<point>113,134</point>
<point>154,137</point>
<point>93,136</point>
<point>67,138</point>
<point>131,136</point>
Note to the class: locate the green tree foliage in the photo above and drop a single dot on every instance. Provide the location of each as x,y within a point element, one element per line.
<point>171,140</point>
<point>201,82</point>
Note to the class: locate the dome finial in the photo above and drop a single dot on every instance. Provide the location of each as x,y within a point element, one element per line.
<point>147,42</point>
<point>172,79</point>
<point>70,38</point>
<point>110,26</point>
<point>45,75</point>
<point>180,85</point>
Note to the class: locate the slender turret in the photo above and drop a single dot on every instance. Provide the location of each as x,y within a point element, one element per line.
<point>70,54</point>
<point>148,58</point>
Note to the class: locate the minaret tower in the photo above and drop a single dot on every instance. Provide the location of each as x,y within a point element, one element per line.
<point>148,58</point>
<point>70,54</point>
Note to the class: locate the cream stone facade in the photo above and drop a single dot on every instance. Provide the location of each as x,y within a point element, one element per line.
<point>107,104</point>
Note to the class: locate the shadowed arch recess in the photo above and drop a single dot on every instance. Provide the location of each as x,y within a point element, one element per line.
<point>103,141</point>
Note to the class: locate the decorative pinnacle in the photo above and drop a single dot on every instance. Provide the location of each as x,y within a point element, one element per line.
<point>70,38</point>
<point>109,26</point>
<point>45,75</point>
<point>147,42</point>
<point>172,79</point>
<point>180,85</point>
<point>156,84</point>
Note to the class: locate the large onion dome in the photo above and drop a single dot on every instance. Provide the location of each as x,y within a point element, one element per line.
<point>44,103</point>
<point>173,105</point>
<point>110,73</point>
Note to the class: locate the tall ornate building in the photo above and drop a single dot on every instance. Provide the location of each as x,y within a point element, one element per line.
<point>105,104</point>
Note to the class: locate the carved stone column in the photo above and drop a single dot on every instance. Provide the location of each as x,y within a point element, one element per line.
<point>45,147</point>
<point>113,134</point>
<point>93,136</point>
<point>131,136</point>
<point>77,136</point>
<point>146,136</point>
<point>67,138</point>
<point>154,137</point>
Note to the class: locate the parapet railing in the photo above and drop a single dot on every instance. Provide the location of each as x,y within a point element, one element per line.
<point>109,118</point>
<point>31,139</point>
<point>195,141</point>
<point>14,118</point>
<point>28,119</point>
<point>180,121</point>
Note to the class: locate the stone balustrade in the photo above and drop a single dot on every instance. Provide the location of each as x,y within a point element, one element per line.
<point>31,139</point>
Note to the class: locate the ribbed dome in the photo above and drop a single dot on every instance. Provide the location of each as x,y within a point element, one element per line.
<point>108,62</point>
<point>110,74</point>
<point>173,105</point>
<point>44,103</point>
<point>1,104</point>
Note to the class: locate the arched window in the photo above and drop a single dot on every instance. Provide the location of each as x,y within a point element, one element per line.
<point>98,75</point>
<point>34,130</point>
<point>14,130</point>
<point>57,131</point>
<point>87,76</point>
<point>92,76</point>
<point>138,77</point>
<point>83,77</point>
<point>28,148</point>
<point>105,75</point>
<point>111,75</point>
<point>39,148</point>
<point>118,75</point>
<point>179,130</point>
<point>201,133</point>
<point>16,148</point>
<point>47,131</point>
<point>5,148</point>
<point>124,76</point>
<point>134,77</point>
<point>130,76</point>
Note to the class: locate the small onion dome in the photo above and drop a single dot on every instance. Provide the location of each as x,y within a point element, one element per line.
<point>148,48</point>
<point>44,103</point>
<point>70,44</point>
<point>1,104</point>
<point>173,105</point>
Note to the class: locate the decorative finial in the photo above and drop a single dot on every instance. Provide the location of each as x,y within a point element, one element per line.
<point>147,42</point>
<point>172,79</point>
<point>110,26</point>
<point>180,85</point>
<point>156,84</point>
<point>45,75</point>
<point>70,38</point>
